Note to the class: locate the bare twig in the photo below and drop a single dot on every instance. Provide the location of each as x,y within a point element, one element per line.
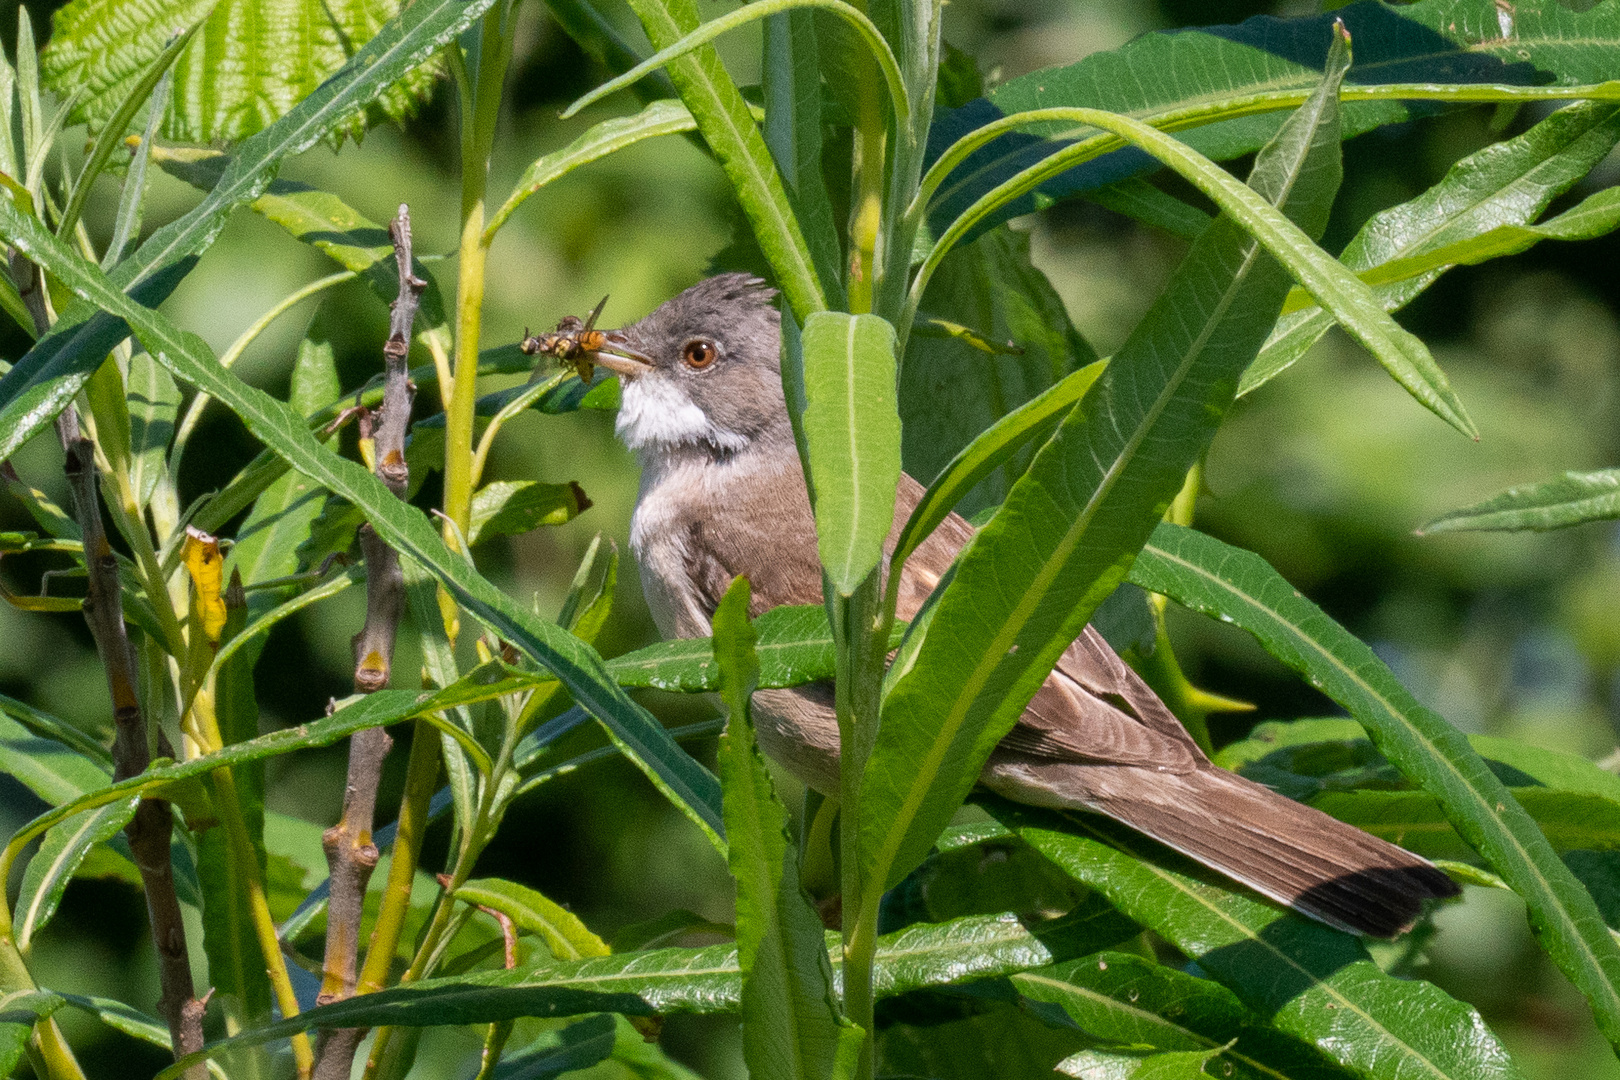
<point>350,853</point>
<point>149,831</point>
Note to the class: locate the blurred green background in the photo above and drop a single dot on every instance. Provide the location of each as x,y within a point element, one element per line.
<point>1325,472</point>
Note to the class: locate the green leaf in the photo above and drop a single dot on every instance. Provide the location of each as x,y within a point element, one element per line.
<point>559,928</point>
<point>1239,587</point>
<point>405,528</point>
<point>988,452</point>
<point>581,1045</point>
<point>607,137</point>
<point>281,520</point>
<point>41,756</point>
<point>514,507</point>
<point>727,125</point>
<point>795,647</point>
<point>702,981</point>
<point>125,1018</point>
<point>20,1010</point>
<point>852,426</point>
<point>1571,499</point>
<point>64,848</point>
<point>1311,982</point>
<point>1439,42</point>
<point>253,61</point>
<point>1141,201</point>
<point>793,131</point>
<point>1121,1065</point>
<point>791,1027</point>
<point>1569,820</point>
<point>1479,210</point>
<point>1130,1001</point>
<point>1069,530</point>
<point>950,391</point>
<point>154,400</point>
<point>57,367</point>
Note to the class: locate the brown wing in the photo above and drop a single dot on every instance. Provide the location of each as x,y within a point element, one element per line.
<point>1093,708</point>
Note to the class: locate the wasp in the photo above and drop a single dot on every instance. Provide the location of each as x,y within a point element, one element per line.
<point>574,343</point>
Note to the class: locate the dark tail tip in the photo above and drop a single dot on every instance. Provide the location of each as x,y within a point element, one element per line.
<point>1379,901</point>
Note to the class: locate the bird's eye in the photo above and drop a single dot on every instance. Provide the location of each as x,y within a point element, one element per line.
<point>699,354</point>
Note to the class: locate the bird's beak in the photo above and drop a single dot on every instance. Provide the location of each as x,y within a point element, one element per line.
<point>619,357</point>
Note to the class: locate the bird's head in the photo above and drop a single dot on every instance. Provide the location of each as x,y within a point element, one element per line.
<point>703,371</point>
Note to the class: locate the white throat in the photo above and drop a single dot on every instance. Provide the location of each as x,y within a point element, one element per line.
<point>654,413</point>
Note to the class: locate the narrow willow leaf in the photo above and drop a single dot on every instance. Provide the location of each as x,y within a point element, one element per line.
<point>727,125</point>
<point>63,849</point>
<point>564,934</point>
<point>582,1045</point>
<point>1571,499</point>
<point>1069,530</point>
<point>988,452</point>
<point>702,981</point>
<point>47,378</point>
<point>281,519</point>
<point>154,401</point>
<point>1437,42</point>
<point>1570,820</point>
<point>1141,201</point>
<point>237,77</point>
<point>125,1018</point>
<point>795,647</point>
<point>40,757</point>
<point>852,425</point>
<point>610,136</point>
<point>514,507</point>
<point>1483,205</point>
<point>406,529</point>
<point>19,1011</point>
<point>1239,587</point>
<point>793,131</point>
<point>1127,1000</point>
<point>951,391</point>
<point>790,1025</point>
<point>1311,982</point>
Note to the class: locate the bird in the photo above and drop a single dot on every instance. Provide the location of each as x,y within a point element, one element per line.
<point>723,495</point>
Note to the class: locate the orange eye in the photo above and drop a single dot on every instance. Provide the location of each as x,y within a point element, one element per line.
<point>700,354</point>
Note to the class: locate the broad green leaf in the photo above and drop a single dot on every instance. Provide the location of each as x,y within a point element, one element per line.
<point>793,131</point>
<point>976,1039</point>
<point>951,391</point>
<point>251,63</point>
<point>852,426</point>
<point>1239,587</point>
<point>1599,871</point>
<point>702,981</point>
<point>1481,208</point>
<point>1571,499</point>
<point>579,1046</point>
<point>790,1026</point>
<point>988,452</point>
<point>1120,1065</point>
<point>63,849</point>
<point>1127,1000</point>
<point>154,400</point>
<point>1071,526</point>
<point>1310,982</point>
<point>607,137</point>
<point>1437,42</point>
<point>47,378</point>
<point>40,756</point>
<point>19,1011</point>
<point>514,507</point>
<point>267,542</point>
<point>795,647</point>
<point>559,928</point>
<point>405,528</point>
<point>727,125</point>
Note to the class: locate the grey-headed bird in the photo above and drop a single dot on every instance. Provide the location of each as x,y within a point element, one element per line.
<point>722,494</point>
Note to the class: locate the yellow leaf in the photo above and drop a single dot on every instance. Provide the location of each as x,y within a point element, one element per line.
<point>207,568</point>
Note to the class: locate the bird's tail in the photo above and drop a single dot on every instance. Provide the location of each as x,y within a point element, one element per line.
<point>1282,849</point>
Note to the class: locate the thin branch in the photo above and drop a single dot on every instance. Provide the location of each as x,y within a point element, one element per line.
<point>350,853</point>
<point>149,831</point>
